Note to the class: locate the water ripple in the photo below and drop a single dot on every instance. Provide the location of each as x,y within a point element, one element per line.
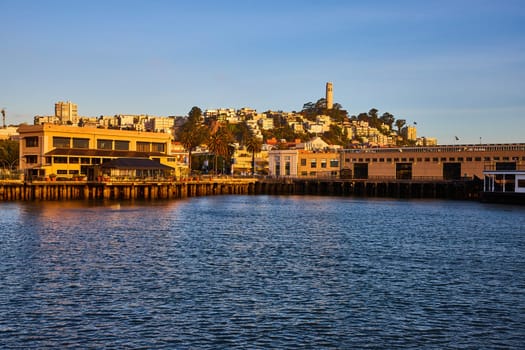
<point>262,272</point>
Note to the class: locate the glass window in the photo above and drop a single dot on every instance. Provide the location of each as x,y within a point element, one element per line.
<point>287,168</point>
<point>84,161</point>
<point>80,143</point>
<point>31,159</point>
<point>323,163</point>
<point>303,161</point>
<point>334,163</point>
<point>60,160</point>
<point>61,142</point>
<point>104,144</point>
<point>73,160</point>
<point>61,172</point>
<point>313,163</point>
<point>122,145</point>
<point>32,141</point>
<point>143,146</point>
<point>158,147</point>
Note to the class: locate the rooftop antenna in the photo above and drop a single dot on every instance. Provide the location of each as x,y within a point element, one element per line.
<point>3,117</point>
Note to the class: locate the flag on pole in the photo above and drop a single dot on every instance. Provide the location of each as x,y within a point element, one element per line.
<point>457,138</point>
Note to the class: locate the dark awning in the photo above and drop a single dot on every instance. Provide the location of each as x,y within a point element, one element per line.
<point>135,163</point>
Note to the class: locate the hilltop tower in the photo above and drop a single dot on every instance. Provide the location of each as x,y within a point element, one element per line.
<point>329,96</point>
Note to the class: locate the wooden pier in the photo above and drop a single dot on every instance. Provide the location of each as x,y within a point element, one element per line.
<point>72,190</point>
<point>151,190</point>
<point>460,189</point>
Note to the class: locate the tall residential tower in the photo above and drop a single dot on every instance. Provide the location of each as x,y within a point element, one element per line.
<point>329,96</point>
<point>66,112</point>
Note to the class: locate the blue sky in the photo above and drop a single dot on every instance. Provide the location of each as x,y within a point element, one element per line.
<point>457,68</point>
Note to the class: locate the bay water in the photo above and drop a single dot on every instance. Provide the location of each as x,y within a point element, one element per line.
<point>259,272</point>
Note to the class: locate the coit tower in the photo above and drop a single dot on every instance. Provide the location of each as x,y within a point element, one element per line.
<point>329,96</point>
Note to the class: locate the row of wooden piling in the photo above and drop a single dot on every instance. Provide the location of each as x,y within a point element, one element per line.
<point>175,190</point>
<point>119,191</point>
<point>364,188</point>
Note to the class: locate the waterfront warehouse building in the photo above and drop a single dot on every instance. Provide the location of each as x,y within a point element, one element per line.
<point>304,163</point>
<point>431,163</point>
<point>71,151</point>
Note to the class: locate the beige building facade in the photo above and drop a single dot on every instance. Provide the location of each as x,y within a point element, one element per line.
<point>304,163</point>
<point>71,151</point>
<point>66,112</point>
<point>431,163</point>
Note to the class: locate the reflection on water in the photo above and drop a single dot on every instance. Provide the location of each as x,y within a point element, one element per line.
<point>262,272</point>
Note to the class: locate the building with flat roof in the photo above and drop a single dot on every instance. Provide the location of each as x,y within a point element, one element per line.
<point>431,163</point>
<point>66,112</point>
<point>304,163</point>
<point>69,151</point>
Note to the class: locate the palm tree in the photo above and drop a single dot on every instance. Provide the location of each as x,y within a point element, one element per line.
<point>254,145</point>
<point>191,135</point>
<point>218,144</point>
<point>399,124</point>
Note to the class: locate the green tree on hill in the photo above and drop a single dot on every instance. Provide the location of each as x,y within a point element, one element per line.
<point>399,124</point>
<point>192,133</point>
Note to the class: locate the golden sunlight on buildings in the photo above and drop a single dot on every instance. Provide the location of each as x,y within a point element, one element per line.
<point>70,151</point>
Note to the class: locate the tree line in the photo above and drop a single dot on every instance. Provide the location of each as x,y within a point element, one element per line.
<point>218,137</point>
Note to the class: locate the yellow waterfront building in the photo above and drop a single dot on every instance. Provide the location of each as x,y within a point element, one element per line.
<point>70,152</point>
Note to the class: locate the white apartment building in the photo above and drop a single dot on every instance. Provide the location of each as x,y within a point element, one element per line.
<point>265,123</point>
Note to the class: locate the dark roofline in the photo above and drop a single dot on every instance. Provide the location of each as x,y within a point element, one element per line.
<point>135,163</point>
<point>102,153</point>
